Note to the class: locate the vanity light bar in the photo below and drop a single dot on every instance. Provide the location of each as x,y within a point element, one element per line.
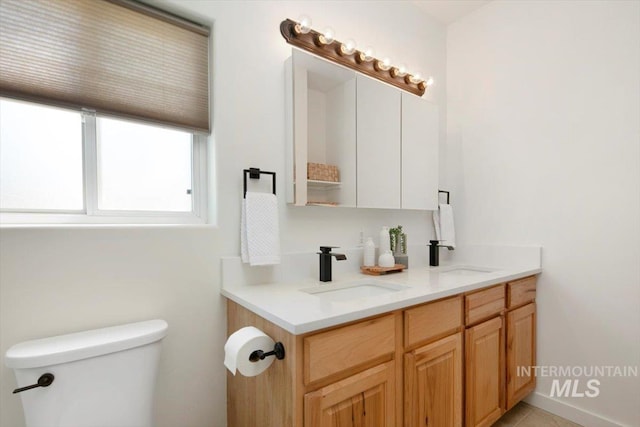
<point>325,46</point>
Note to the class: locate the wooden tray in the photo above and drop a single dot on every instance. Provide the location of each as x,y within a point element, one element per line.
<point>378,271</point>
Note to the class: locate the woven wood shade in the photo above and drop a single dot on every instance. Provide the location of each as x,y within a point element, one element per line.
<point>114,57</point>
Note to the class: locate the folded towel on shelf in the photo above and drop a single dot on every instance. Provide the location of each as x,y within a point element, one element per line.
<point>259,229</point>
<point>443,224</point>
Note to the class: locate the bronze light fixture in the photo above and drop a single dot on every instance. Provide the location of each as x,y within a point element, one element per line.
<point>345,53</point>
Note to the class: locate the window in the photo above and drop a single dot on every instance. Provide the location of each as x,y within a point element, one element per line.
<point>85,160</point>
<point>60,165</point>
<point>40,166</point>
<point>143,168</point>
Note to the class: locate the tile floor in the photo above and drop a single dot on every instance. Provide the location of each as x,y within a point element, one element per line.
<point>524,415</point>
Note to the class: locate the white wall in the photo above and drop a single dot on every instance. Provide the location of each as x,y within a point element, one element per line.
<point>54,281</point>
<point>249,56</point>
<point>58,280</point>
<point>544,148</point>
<point>317,125</point>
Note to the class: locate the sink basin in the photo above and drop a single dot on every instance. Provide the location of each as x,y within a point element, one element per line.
<point>361,289</point>
<point>465,271</point>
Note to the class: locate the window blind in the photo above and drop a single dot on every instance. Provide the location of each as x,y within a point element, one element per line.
<point>115,57</point>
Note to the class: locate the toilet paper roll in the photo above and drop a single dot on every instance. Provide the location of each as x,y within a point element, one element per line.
<point>239,347</point>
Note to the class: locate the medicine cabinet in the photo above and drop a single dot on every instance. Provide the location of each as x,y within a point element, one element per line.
<point>383,141</point>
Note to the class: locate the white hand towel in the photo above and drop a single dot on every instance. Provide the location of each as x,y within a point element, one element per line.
<point>244,251</point>
<point>436,223</point>
<point>260,231</point>
<point>443,224</point>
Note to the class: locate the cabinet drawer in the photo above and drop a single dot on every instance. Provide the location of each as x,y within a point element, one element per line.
<point>432,320</point>
<point>521,291</point>
<point>483,304</point>
<point>338,350</point>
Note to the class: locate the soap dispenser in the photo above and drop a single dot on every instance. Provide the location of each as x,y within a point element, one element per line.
<point>434,253</point>
<point>369,253</point>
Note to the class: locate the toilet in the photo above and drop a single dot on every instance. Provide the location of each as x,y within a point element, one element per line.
<point>101,378</point>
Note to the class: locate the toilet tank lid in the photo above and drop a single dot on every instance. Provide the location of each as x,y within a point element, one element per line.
<point>83,345</point>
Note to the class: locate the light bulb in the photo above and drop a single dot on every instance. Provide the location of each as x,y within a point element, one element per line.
<point>304,25</point>
<point>382,65</point>
<point>415,78</point>
<point>365,55</point>
<point>399,71</point>
<point>328,35</point>
<point>348,47</point>
<point>429,81</point>
<point>368,54</point>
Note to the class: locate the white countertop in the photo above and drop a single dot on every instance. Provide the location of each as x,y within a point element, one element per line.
<point>287,305</point>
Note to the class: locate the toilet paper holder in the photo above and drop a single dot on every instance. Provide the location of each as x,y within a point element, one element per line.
<point>278,352</point>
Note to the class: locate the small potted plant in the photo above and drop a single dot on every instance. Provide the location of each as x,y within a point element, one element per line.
<point>399,245</point>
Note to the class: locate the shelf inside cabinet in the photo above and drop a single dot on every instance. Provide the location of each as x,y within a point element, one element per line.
<point>322,185</point>
<point>327,204</point>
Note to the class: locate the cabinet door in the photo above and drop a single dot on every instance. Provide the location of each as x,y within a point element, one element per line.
<point>521,352</point>
<point>433,384</point>
<point>485,371</point>
<point>320,117</point>
<point>366,399</point>
<point>297,131</point>
<point>378,144</point>
<point>419,153</point>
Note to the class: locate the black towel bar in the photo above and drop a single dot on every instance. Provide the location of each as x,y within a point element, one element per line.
<point>254,173</point>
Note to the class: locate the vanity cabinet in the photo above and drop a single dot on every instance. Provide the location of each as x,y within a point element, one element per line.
<point>441,363</point>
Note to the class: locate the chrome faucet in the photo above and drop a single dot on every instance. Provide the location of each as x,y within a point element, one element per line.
<point>325,262</point>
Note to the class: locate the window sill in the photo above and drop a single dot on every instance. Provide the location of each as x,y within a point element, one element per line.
<point>31,220</point>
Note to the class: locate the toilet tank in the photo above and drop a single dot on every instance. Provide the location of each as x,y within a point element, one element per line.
<point>103,377</point>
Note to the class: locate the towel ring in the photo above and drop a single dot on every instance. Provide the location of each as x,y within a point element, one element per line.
<point>441,191</point>
<point>254,173</point>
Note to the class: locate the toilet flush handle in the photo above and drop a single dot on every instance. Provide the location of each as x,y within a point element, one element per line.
<point>45,380</point>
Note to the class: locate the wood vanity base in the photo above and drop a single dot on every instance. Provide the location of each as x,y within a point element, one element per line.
<point>402,368</point>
